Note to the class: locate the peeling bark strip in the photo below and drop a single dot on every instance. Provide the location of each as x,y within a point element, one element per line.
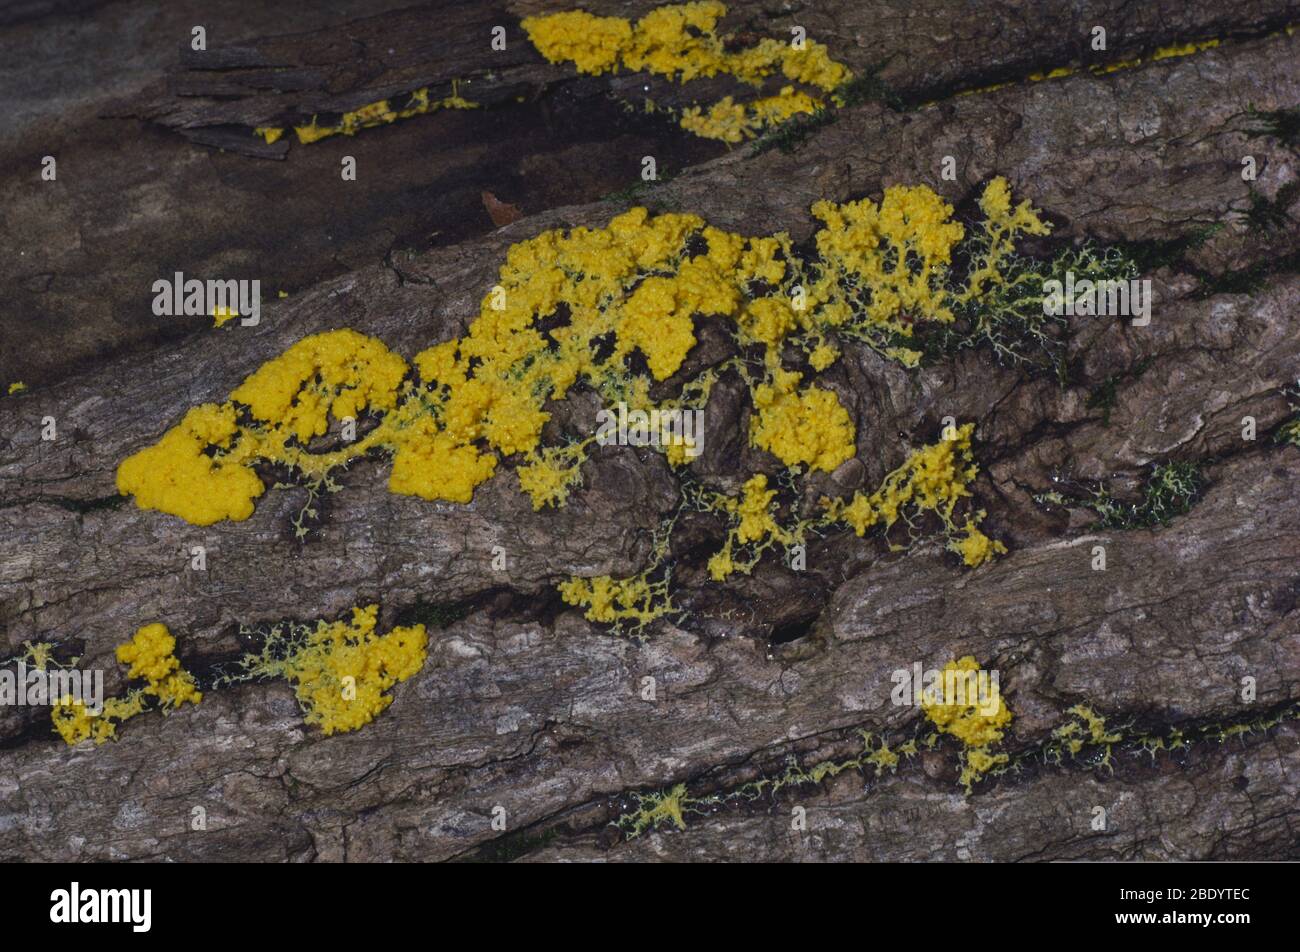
<point>1144,628</point>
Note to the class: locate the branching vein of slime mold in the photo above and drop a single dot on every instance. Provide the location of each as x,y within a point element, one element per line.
<point>681,42</point>
<point>615,309</point>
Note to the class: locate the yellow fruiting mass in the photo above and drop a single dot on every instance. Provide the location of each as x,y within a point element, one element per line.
<point>636,600</point>
<point>958,707</point>
<point>974,547</point>
<point>801,426</point>
<point>732,122</point>
<point>959,713</point>
<point>933,479</point>
<point>615,310</point>
<point>74,723</point>
<point>681,42</point>
<point>341,672</point>
<point>179,475</point>
<point>151,656</point>
<point>754,511</point>
<point>901,249</point>
<point>343,676</point>
<point>593,44</point>
<point>753,523</point>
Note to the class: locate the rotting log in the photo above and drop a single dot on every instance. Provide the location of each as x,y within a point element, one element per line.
<point>525,704</point>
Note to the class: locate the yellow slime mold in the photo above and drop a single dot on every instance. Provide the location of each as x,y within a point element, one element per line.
<point>615,309</point>
<point>681,42</point>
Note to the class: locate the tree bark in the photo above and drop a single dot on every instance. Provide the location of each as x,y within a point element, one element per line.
<point>524,704</point>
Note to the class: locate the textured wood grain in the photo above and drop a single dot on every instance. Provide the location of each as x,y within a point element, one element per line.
<point>526,705</point>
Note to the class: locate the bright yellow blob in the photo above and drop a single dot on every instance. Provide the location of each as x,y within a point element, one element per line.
<point>151,655</point>
<point>955,709</point>
<point>342,672</point>
<point>801,426</point>
<point>681,42</point>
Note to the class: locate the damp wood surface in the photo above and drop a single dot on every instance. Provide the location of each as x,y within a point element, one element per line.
<point>522,702</point>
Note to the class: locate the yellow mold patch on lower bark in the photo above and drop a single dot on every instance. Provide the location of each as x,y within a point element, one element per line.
<point>151,656</point>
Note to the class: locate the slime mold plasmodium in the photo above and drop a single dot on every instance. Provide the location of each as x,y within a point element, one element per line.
<point>221,316</point>
<point>963,717</point>
<point>681,42</point>
<point>342,673</point>
<point>1087,729</point>
<point>615,310</point>
<point>1085,732</point>
<point>654,810</point>
<point>1172,51</point>
<point>380,113</point>
<point>933,479</point>
<point>151,655</point>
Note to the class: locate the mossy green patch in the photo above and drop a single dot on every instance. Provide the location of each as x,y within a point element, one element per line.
<point>1169,490</point>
